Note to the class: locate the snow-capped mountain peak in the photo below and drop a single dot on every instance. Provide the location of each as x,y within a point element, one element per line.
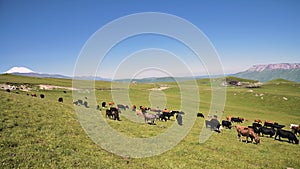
<point>19,70</point>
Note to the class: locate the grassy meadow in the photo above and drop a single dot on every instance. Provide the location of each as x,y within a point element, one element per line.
<point>43,133</point>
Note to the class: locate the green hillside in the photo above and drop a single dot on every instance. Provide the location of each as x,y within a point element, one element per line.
<point>43,133</point>
<point>267,75</point>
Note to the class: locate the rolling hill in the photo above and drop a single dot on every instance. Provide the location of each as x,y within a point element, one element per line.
<point>43,133</point>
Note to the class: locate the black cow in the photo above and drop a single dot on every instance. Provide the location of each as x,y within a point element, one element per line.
<point>85,104</point>
<point>179,119</point>
<point>236,119</point>
<point>115,113</point>
<point>109,113</point>
<point>214,124</point>
<point>168,115</point>
<point>42,96</point>
<point>122,106</point>
<point>8,90</point>
<point>103,104</point>
<point>75,102</point>
<point>80,102</point>
<point>61,100</point>
<point>255,127</point>
<point>162,117</point>
<point>65,91</point>
<point>200,115</point>
<point>226,123</point>
<point>286,134</point>
<point>267,131</point>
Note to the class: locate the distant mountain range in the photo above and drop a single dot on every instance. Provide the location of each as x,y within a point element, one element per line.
<point>262,73</point>
<point>267,72</point>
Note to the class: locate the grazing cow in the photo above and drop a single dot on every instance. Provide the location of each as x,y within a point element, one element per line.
<point>268,123</point>
<point>115,113</point>
<point>122,106</point>
<point>75,102</point>
<point>134,108</point>
<point>61,100</point>
<point>179,119</point>
<point>150,117</point>
<point>226,123</point>
<point>162,117</point>
<point>286,134</point>
<point>85,104</point>
<point>255,127</point>
<point>243,119</point>
<point>33,94</point>
<point>65,91</point>
<point>296,129</point>
<point>257,121</point>
<point>42,96</point>
<point>111,103</point>
<point>236,119</point>
<point>103,104</point>
<point>80,101</point>
<point>168,114</point>
<point>228,118</point>
<point>109,113</point>
<point>200,115</point>
<point>214,124</point>
<point>247,132</point>
<point>8,90</point>
<point>267,131</point>
<point>291,125</point>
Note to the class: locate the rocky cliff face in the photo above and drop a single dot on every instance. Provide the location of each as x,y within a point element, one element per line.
<point>263,73</point>
<point>287,66</point>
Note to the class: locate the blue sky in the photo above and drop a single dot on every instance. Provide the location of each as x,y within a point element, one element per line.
<point>47,36</point>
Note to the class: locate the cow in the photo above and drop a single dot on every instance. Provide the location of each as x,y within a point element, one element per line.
<point>8,90</point>
<point>236,119</point>
<point>85,104</point>
<point>33,94</point>
<point>257,121</point>
<point>115,113</point>
<point>162,117</point>
<point>98,107</point>
<point>226,123</point>
<point>80,101</point>
<point>65,91</point>
<point>61,100</point>
<point>228,118</point>
<point>134,108</point>
<point>42,96</point>
<point>111,103</point>
<point>122,106</point>
<point>103,104</point>
<point>179,119</point>
<point>286,134</point>
<point>267,131</point>
<point>109,113</point>
<point>247,132</point>
<point>168,114</point>
<point>200,115</point>
<point>214,124</point>
<point>255,127</point>
<point>296,129</point>
<point>150,117</point>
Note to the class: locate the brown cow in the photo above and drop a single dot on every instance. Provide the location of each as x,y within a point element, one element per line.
<point>247,132</point>
<point>111,103</point>
<point>33,94</point>
<point>296,129</point>
<point>257,121</point>
<point>228,118</point>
